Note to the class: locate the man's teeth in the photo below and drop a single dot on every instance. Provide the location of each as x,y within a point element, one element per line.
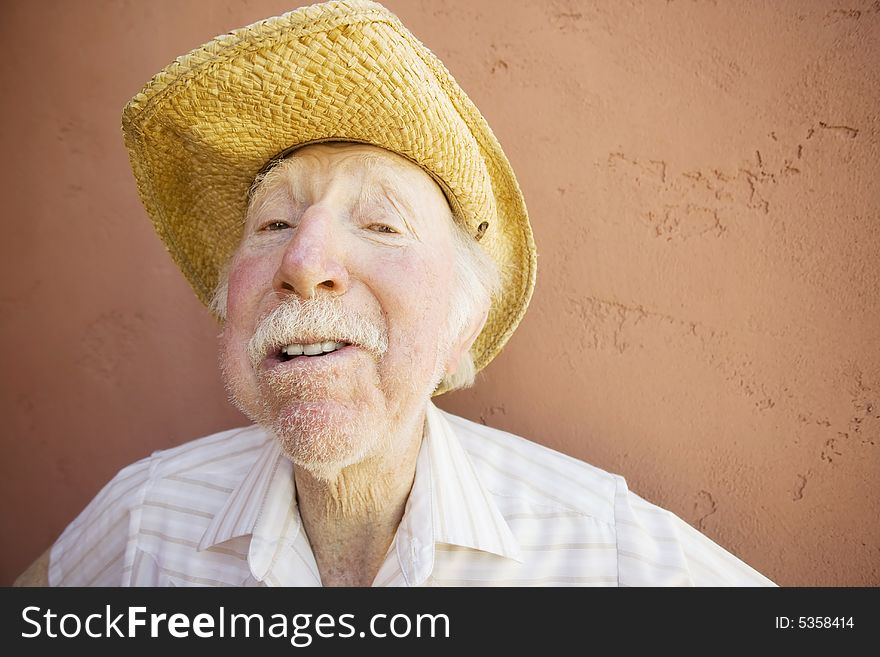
<point>312,349</point>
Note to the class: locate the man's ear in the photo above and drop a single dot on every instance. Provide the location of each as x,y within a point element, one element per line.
<point>464,344</point>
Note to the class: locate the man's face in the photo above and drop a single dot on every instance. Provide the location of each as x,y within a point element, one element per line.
<point>346,248</point>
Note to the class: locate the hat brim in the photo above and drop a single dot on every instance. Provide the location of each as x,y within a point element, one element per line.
<point>205,126</point>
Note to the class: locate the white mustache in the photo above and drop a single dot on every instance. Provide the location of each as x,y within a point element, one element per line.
<point>312,320</point>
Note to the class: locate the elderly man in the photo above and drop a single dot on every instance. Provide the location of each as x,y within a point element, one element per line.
<point>331,192</point>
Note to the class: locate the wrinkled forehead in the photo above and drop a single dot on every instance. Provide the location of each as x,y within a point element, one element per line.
<point>362,166</point>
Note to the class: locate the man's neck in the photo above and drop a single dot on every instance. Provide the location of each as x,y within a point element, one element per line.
<point>351,519</point>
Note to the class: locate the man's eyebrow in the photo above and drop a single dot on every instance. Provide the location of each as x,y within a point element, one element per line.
<point>391,190</point>
<point>263,194</point>
<point>383,178</point>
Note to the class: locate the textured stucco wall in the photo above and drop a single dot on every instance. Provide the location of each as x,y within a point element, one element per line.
<point>702,180</point>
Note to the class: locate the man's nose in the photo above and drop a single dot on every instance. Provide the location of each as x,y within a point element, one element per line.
<point>313,259</point>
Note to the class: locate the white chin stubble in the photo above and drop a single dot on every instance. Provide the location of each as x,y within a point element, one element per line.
<point>324,426</point>
<point>323,420</point>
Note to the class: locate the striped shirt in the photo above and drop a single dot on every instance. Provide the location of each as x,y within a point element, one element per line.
<point>487,508</point>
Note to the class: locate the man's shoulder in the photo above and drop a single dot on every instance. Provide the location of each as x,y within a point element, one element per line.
<point>219,459</point>
<point>543,493</point>
<point>513,466</point>
<point>231,452</point>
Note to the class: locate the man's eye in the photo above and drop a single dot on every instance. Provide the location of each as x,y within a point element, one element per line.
<point>382,228</point>
<point>276,225</point>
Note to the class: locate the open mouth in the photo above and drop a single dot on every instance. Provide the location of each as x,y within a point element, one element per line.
<point>313,350</point>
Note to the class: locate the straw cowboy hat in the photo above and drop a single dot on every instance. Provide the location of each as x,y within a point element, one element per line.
<point>203,128</point>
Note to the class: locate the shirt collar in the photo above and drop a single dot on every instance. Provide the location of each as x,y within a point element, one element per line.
<point>464,511</point>
<point>240,513</point>
<point>264,507</point>
<point>447,504</point>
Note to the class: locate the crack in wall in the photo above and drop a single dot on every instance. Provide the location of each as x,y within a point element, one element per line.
<point>798,492</point>
<point>491,411</point>
<point>830,449</point>
<point>838,15</point>
<point>703,203</point>
<point>695,203</point>
<point>842,130</point>
<point>862,428</point>
<point>610,324</point>
<point>704,506</point>
<point>864,424</point>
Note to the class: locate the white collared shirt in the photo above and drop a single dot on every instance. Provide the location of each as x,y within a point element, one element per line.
<point>487,508</point>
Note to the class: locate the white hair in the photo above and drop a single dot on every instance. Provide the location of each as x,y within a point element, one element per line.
<point>475,284</point>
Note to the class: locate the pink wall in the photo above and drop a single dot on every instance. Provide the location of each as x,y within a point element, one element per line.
<point>702,180</point>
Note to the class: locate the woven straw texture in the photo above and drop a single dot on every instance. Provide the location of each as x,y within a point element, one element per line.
<point>205,126</point>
